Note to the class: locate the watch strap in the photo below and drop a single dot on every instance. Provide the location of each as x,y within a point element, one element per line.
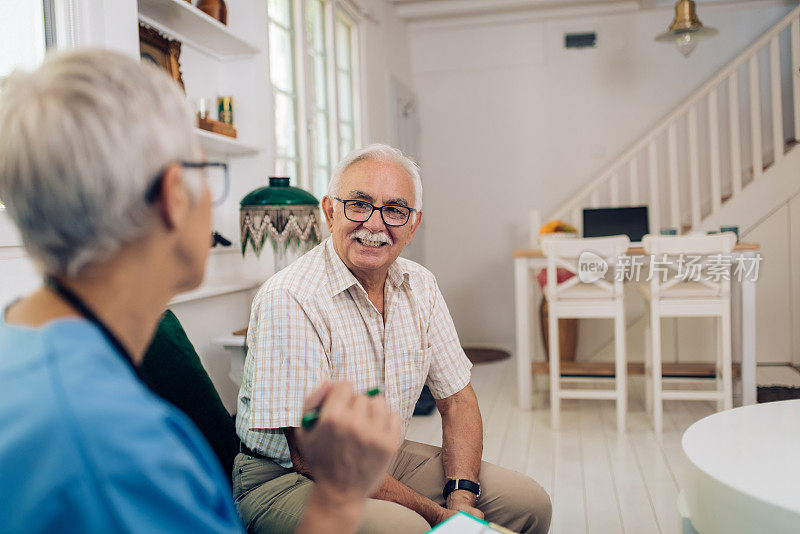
<point>461,484</point>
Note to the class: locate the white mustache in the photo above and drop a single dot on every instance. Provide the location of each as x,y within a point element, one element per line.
<point>363,233</point>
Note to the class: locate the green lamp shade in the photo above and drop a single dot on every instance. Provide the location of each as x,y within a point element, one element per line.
<point>288,216</point>
<point>279,192</point>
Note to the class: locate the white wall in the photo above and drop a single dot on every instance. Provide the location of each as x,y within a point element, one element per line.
<point>793,269</point>
<point>384,54</point>
<point>774,324</point>
<point>511,120</point>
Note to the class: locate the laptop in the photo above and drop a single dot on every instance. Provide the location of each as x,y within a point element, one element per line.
<point>603,222</point>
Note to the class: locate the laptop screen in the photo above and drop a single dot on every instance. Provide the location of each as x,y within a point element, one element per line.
<point>602,222</point>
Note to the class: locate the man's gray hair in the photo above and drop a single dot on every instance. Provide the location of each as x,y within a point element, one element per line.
<point>380,152</point>
<point>82,138</point>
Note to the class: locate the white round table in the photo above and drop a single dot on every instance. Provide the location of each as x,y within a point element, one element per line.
<point>743,470</point>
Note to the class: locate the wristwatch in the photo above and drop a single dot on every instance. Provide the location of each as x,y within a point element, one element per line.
<point>461,484</point>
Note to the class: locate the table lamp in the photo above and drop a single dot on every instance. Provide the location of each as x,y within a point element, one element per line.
<point>287,216</point>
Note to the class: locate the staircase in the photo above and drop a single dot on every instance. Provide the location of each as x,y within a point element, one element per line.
<point>727,155</point>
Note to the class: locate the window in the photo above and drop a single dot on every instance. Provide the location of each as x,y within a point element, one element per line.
<point>313,67</point>
<point>345,82</point>
<point>282,75</point>
<point>23,39</point>
<point>319,106</point>
<point>22,35</point>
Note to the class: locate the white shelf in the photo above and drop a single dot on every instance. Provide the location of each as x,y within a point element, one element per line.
<point>183,21</point>
<point>229,342</point>
<point>217,289</point>
<point>221,145</point>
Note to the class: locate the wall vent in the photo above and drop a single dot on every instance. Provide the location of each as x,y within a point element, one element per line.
<point>580,40</point>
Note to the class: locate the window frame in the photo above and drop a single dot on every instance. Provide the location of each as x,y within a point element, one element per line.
<point>341,11</point>
<point>311,82</point>
<point>303,66</point>
<point>295,96</point>
<point>8,234</point>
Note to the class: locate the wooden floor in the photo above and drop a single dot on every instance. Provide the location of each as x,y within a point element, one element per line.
<point>599,481</point>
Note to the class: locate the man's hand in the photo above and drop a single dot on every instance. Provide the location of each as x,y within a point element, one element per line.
<point>459,501</point>
<point>349,448</point>
<point>463,501</point>
<point>446,513</point>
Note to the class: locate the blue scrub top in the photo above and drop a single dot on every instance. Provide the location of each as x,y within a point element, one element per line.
<point>86,447</point>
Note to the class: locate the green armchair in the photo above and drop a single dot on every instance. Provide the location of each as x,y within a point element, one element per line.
<point>173,371</point>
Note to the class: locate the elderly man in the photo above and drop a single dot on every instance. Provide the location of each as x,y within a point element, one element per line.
<point>103,175</point>
<point>351,308</point>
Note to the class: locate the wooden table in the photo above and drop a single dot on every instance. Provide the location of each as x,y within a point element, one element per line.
<point>528,261</point>
<point>741,474</point>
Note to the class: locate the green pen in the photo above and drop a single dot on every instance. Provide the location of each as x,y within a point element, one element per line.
<point>310,417</point>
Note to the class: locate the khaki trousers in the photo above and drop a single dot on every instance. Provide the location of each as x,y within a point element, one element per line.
<point>270,498</point>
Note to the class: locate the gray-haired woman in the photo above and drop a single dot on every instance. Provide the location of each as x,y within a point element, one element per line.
<point>103,175</point>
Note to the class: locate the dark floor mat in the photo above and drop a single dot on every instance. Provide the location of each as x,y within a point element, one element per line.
<point>479,355</point>
<point>777,393</point>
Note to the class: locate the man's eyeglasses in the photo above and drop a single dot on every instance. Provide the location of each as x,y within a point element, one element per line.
<point>215,174</point>
<point>361,210</point>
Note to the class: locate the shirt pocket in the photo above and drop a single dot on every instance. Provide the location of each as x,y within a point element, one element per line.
<point>406,374</point>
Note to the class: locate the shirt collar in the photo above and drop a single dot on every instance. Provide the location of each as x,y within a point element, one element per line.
<point>340,278</point>
<point>397,275</point>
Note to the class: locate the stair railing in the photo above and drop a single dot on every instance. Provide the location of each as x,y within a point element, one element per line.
<point>625,170</point>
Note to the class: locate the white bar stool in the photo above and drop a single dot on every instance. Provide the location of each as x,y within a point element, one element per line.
<point>587,295</point>
<point>689,277</point>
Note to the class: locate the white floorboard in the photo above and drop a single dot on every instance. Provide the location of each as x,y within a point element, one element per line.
<point>600,481</point>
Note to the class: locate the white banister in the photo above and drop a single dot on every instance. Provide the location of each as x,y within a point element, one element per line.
<point>674,192</point>
<point>614,189</point>
<point>713,149</point>
<point>775,98</point>
<point>633,182</point>
<point>795,73</point>
<point>755,120</point>
<point>577,220</point>
<point>735,138</point>
<point>694,168</point>
<point>655,202</point>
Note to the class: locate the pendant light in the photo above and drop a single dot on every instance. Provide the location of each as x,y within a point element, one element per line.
<point>686,30</point>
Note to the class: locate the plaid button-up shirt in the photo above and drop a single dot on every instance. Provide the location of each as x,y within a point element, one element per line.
<point>314,320</point>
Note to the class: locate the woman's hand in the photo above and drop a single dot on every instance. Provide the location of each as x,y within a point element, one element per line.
<point>350,446</point>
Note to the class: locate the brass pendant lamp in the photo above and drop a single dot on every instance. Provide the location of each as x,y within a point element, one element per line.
<point>686,30</point>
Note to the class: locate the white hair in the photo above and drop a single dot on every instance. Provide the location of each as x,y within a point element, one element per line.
<point>82,138</point>
<point>380,152</point>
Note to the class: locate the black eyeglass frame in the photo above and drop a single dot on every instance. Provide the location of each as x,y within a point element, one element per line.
<point>374,207</point>
<point>155,186</point>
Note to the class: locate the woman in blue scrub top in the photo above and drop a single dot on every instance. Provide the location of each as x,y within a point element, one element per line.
<point>103,175</point>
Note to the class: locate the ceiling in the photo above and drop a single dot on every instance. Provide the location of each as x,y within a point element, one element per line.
<point>421,10</point>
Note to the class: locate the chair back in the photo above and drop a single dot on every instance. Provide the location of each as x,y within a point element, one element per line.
<point>582,257</point>
<point>704,245</point>
<point>704,261</point>
<point>172,370</point>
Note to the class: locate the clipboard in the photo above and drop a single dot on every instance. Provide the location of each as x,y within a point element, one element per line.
<point>463,523</point>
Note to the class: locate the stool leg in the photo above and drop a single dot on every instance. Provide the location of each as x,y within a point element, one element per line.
<point>621,375</point>
<point>555,368</point>
<point>655,326</point>
<point>648,369</point>
<point>727,364</point>
<point>719,380</point>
